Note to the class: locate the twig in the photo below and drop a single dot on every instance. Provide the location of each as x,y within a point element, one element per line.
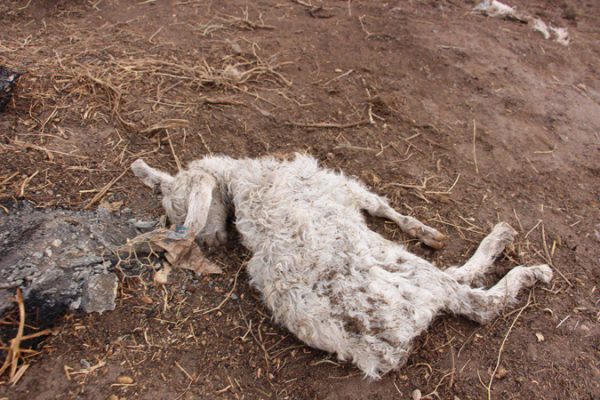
<point>226,299</point>
<point>372,35</point>
<point>103,191</point>
<point>154,34</point>
<point>474,151</point>
<point>167,123</point>
<point>489,386</point>
<point>204,141</point>
<point>338,77</point>
<point>179,168</point>
<point>14,351</point>
<point>328,124</point>
<point>549,259</point>
<point>184,371</point>
<point>26,182</point>
<point>48,152</point>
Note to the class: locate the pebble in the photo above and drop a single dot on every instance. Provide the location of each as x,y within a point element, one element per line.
<point>584,328</point>
<point>501,373</point>
<point>125,380</point>
<point>56,242</point>
<point>416,394</point>
<point>539,336</point>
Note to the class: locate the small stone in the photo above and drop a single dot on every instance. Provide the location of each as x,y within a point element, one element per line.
<point>125,380</point>
<point>237,49</point>
<point>99,293</point>
<point>48,252</point>
<point>532,353</point>
<point>85,363</point>
<point>416,394</point>
<point>162,276</point>
<point>539,336</point>
<point>37,254</point>
<point>113,397</point>
<point>190,288</point>
<point>584,328</point>
<point>56,242</point>
<point>501,373</point>
<point>146,300</point>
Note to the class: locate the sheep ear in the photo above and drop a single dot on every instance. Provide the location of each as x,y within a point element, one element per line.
<point>199,200</point>
<point>151,176</point>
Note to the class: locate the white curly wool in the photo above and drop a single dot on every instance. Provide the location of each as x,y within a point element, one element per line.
<point>325,276</point>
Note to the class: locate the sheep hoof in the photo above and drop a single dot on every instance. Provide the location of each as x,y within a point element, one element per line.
<point>542,273</point>
<point>431,238</point>
<point>212,239</point>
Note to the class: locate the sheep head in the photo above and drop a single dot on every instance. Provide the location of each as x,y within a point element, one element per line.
<point>187,197</point>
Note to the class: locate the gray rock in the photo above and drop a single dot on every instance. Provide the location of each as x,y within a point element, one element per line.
<point>99,293</point>
<point>143,224</point>
<point>60,259</point>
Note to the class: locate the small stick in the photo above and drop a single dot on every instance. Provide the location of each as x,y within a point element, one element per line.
<point>154,34</point>
<point>12,356</point>
<point>5,181</point>
<point>103,191</point>
<point>235,279</point>
<point>489,385</point>
<point>474,151</point>
<point>328,124</point>
<point>339,77</point>
<point>204,142</point>
<point>173,152</point>
<point>184,371</point>
<point>518,219</point>
<point>48,152</point>
<point>549,260</point>
<point>25,182</point>
<point>532,229</point>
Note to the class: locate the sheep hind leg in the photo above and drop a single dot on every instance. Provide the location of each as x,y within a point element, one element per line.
<point>378,206</point>
<point>482,305</point>
<point>480,263</point>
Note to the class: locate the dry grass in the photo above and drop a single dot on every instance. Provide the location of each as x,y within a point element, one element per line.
<point>16,361</point>
<point>136,93</point>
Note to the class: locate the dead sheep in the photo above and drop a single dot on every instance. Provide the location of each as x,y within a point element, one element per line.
<point>324,275</point>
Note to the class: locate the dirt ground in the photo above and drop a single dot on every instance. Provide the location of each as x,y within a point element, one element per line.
<point>460,119</point>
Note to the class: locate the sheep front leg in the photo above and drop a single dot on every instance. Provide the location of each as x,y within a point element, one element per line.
<point>378,206</point>
<point>214,232</point>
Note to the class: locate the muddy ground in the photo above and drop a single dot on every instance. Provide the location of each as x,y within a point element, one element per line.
<point>460,119</point>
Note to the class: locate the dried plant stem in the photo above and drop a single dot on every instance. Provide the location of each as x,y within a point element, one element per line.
<point>103,191</point>
<point>501,350</point>
<point>474,149</point>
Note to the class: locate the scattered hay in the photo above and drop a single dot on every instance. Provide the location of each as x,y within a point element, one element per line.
<point>15,363</point>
